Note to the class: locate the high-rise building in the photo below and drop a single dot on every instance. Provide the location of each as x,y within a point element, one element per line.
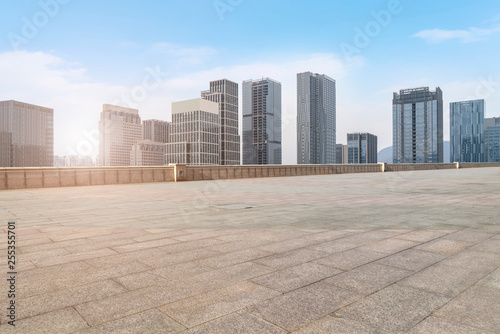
<point>316,119</point>
<point>59,161</point>
<point>341,154</point>
<point>466,131</point>
<point>261,122</point>
<point>147,153</point>
<point>491,122</point>
<point>194,137</point>
<point>26,135</point>
<point>119,128</point>
<point>417,132</point>
<point>492,139</point>
<point>362,148</point>
<point>155,130</point>
<point>78,161</point>
<point>225,93</point>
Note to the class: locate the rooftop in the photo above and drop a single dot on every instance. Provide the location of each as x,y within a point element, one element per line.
<point>381,252</point>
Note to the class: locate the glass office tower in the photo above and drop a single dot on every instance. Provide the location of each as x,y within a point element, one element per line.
<point>417,118</point>
<point>261,122</point>
<point>341,154</point>
<point>225,93</point>
<point>316,119</point>
<point>492,139</point>
<point>361,148</point>
<point>466,131</point>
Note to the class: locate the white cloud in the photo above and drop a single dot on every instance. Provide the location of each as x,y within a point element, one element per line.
<point>493,19</point>
<point>465,36</point>
<point>128,45</point>
<point>184,55</point>
<point>46,80</point>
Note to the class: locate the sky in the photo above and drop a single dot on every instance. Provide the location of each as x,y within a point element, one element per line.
<point>76,55</point>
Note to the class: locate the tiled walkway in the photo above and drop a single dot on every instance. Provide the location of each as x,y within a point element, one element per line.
<point>414,252</point>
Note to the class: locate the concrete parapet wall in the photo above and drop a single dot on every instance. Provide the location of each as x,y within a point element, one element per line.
<point>195,173</point>
<point>410,167</point>
<point>479,164</point>
<point>44,177</point>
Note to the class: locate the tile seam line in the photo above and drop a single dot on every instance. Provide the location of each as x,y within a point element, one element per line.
<point>74,308</point>
<point>452,299</point>
<point>391,284</point>
<point>225,315</point>
<point>123,317</point>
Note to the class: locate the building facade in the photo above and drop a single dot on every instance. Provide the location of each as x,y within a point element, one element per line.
<point>225,93</point>
<point>362,148</point>
<point>147,153</point>
<point>78,161</point>
<point>467,131</point>
<point>59,161</point>
<point>119,129</point>
<point>194,137</point>
<point>316,119</point>
<point>341,153</point>
<point>155,130</point>
<point>492,139</point>
<point>26,135</point>
<point>491,122</point>
<point>261,122</point>
<point>417,116</point>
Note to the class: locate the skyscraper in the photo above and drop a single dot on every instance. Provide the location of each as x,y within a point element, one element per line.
<point>466,131</point>
<point>26,135</point>
<point>492,139</point>
<point>147,153</point>
<point>261,122</point>
<point>491,122</point>
<point>194,137</point>
<point>316,119</point>
<point>225,93</point>
<point>361,148</point>
<point>417,119</point>
<point>119,129</point>
<point>341,153</point>
<point>150,150</point>
<point>155,130</point>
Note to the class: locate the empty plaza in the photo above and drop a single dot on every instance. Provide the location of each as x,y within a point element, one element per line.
<point>393,252</point>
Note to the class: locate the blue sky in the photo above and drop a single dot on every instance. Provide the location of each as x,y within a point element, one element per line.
<point>75,55</point>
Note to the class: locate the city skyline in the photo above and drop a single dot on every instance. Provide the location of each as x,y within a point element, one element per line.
<point>159,53</point>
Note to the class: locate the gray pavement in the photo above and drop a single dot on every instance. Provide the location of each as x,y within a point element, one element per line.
<point>415,252</point>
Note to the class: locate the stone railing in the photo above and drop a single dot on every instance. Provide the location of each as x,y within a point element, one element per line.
<point>44,177</point>
<point>410,167</point>
<point>194,173</point>
<point>478,164</point>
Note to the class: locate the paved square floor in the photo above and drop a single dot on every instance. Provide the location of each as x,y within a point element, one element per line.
<point>415,252</point>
